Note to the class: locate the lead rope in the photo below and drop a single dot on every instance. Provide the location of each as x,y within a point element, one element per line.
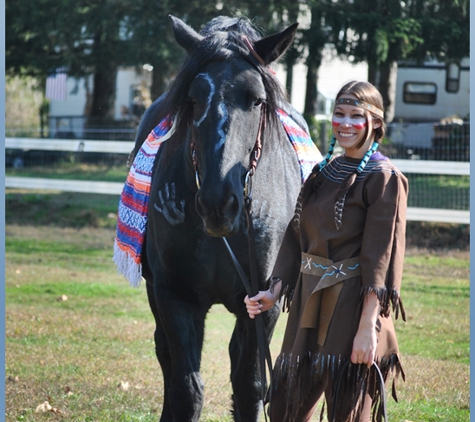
<point>262,343</point>
<point>252,287</point>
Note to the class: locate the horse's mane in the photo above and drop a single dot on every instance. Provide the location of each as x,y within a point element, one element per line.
<point>223,40</point>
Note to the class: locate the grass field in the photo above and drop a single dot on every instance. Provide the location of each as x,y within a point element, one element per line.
<point>78,337</point>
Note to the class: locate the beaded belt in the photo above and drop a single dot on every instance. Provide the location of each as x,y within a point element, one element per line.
<point>318,309</point>
<point>329,270</point>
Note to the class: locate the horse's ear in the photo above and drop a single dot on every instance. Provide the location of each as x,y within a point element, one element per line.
<point>272,47</point>
<point>185,36</point>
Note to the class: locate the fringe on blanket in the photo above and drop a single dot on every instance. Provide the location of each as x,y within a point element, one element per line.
<point>127,266</point>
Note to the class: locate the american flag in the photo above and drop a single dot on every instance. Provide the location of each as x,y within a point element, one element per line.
<point>56,85</point>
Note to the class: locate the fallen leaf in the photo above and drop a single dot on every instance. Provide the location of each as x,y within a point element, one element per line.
<point>62,298</point>
<point>43,407</point>
<point>46,407</point>
<point>123,386</point>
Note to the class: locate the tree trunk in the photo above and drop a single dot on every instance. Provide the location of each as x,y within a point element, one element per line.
<point>289,77</point>
<point>103,97</point>
<point>373,73</point>
<point>311,92</point>
<point>387,87</point>
<point>159,81</point>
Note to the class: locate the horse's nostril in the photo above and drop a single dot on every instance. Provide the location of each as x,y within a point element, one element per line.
<point>230,204</point>
<point>217,210</point>
<point>200,206</point>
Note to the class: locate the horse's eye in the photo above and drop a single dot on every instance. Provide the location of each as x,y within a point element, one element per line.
<point>258,102</point>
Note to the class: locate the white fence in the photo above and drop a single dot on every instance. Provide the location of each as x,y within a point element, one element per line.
<point>124,147</point>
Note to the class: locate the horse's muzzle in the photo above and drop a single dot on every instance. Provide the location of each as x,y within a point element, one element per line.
<point>219,218</point>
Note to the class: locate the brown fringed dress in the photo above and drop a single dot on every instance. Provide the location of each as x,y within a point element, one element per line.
<point>325,274</point>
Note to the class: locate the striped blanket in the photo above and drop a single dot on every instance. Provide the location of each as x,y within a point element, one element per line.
<point>133,204</point>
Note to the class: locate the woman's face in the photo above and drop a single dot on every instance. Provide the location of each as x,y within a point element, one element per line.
<point>349,127</point>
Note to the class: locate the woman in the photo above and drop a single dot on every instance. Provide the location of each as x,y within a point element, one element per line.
<point>339,270</point>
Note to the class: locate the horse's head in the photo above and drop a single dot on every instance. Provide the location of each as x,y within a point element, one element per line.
<point>228,98</point>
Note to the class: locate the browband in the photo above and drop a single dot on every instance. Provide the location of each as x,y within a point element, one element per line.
<point>361,104</point>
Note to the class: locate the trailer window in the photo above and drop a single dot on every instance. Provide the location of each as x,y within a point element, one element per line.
<point>452,81</point>
<point>420,93</point>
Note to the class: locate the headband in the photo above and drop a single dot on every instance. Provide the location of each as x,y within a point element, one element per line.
<point>361,104</point>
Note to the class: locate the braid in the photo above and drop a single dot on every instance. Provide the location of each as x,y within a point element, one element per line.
<point>348,182</point>
<point>307,186</point>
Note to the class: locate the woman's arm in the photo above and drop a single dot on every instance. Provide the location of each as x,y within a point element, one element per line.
<point>383,245</point>
<point>263,301</point>
<point>365,342</point>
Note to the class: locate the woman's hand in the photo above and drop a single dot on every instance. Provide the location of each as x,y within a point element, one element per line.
<point>263,301</point>
<point>365,341</point>
<point>364,346</point>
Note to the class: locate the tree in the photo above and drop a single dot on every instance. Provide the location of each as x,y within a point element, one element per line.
<point>273,16</point>
<point>385,32</point>
<point>96,37</point>
<point>85,37</point>
<point>102,45</point>
<point>445,29</point>
<point>153,38</point>
<point>315,39</point>
<point>380,33</point>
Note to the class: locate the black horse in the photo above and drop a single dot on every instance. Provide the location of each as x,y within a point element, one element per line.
<point>223,99</point>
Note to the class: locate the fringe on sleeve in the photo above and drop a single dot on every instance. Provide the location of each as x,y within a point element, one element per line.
<point>388,298</point>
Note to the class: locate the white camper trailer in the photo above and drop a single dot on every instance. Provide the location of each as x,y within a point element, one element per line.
<point>432,92</point>
<point>428,97</point>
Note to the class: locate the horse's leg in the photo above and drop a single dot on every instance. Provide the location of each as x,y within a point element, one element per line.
<point>245,375</point>
<point>183,335</point>
<point>162,352</point>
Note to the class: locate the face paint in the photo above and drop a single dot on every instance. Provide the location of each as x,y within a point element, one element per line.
<point>223,112</point>
<point>210,96</point>
<point>357,123</point>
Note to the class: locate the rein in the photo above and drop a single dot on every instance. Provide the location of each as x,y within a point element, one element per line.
<point>252,286</point>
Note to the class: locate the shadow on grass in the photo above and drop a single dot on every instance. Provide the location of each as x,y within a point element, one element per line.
<point>60,209</point>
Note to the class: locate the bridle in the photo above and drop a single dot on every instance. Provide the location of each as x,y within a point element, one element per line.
<point>253,159</point>
<point>256,61</point>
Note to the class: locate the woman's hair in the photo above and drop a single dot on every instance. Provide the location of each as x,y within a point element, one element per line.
<point>367,93</point>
